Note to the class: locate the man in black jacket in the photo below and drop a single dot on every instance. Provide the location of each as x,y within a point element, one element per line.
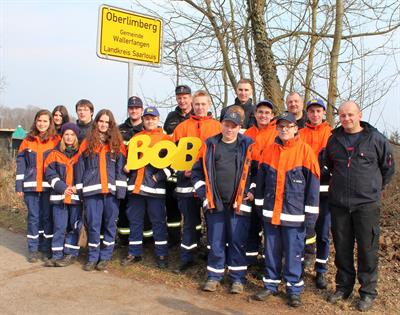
<point>360,162</point>
<point>295,105</point>
<point>182,111</point>
<point>244,91</point>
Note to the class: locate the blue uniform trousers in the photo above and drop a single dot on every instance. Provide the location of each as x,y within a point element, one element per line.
<point>135,210</point>
<point>39,221</point>
<point>254,237</point>
<point>322,228</point>
<point>101,215</point>
<point>190,210</point>
<point>227,235</point>
<point>288,242</point>
<point>66,222</point>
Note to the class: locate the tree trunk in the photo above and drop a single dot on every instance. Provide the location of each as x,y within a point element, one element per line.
<point>333,69</point>
<point>264,56</point>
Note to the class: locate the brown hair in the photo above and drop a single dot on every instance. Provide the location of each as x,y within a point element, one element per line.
<point>34,132</point>
<point>236,109</point>
<point>113,136</point>
<point>245,81</point>
<point>64,113</point>
<point>84,102</point>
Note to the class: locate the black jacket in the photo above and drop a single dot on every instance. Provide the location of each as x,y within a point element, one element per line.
<point>174,118</point>
<point>84,128</point>
<point>128,130</point>
<point>248,107</point>
<point>358,176</point>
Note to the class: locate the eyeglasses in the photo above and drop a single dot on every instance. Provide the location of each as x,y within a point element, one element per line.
<point>285,127</point>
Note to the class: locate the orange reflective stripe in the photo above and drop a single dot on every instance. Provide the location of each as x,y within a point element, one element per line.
<point>243,179</point>
<point>103,168</point>
<point>209,193</point>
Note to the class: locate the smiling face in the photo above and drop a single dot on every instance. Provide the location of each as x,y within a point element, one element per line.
<point>315,114</point>
<point>69,137</point>
<point>350,116</point>
<point>150,122</point>
<point>229,131</point>
<point>135,113</point>
<point>286,130</point>
<point>42,123</point>
<point>103,123</point>
<point>184,102</point>
<point>244,91</point>
<point>263,115</point>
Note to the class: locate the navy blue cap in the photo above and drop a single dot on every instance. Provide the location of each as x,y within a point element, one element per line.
<point>316,102</point>
<point>70,126</point>
<point>266,103</point>
<point>233,117</point>
<point>135,101</point>
<point>151,111</point>
<point>288,117</point>
<point>183,89</point>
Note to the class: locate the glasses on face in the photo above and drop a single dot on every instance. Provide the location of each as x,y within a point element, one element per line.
<point>286,127</point>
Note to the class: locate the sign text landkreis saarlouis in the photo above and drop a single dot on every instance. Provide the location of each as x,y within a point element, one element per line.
<point>129,36</point>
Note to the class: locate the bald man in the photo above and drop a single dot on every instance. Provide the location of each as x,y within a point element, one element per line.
<point>360,161</point>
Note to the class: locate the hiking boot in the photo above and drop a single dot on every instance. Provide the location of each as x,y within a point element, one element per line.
<point>45,256</point>
<point>89,266</point>
<point>294,300</point>
<point>33,257</point>
<point>338,296</point>
<point>237,288</point>
<point>130,260</point>
<point>184,266</point>
<point>365,304</point>
<point>264,294</point>
<point>50,263</point>
<point>162,262</point>
<point>102,265</point>
<point>320,281</point>
<point>65,261</point>
<point>211,285</point>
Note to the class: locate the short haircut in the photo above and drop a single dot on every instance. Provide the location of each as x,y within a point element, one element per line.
<point>202,93</point>
<point>84,102</point>
<point>245,81</point>
<point>294,93</point>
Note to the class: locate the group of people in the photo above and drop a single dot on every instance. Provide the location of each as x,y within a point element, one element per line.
<point>287,175</point>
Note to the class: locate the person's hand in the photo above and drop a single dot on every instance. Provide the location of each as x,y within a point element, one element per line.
<point>249,197</point>
<point>188,173</point>
<point>74,189</point>
<point>154,178</point>
<point>68,191</point>
<point>20,194</point>
<point>126,170</point>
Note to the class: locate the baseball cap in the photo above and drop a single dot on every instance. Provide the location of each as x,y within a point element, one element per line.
<point>316,102</point>
<point>266,103</point>
<point>233,117</point>
<point>183,89</point>
<point>135,101</point>
<point>288,117</point>
<point>70,126</point>
<point>151,111</point>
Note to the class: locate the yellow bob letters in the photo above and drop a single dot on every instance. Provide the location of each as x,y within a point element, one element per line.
<point>140,153</point>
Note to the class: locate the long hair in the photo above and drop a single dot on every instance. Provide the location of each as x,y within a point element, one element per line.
<point>63,146</point>
<point>64,113</point>
<point>113,136</point>
<point>34,132</point>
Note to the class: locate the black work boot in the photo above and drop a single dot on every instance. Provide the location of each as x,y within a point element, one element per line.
<point>320,281</point>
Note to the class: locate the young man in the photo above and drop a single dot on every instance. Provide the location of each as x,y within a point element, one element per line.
<point>222,181</point>
<point>264,114</point>
<point>244,91</point>
<point>360,160</point>
<point>288,191</point>
<point>84,109</point>
<point>146,193</point>
<point>203,126</point>
<point>132,125</point>
<point>182,111</point>
<point>316,134</point>
<point>295,105</point>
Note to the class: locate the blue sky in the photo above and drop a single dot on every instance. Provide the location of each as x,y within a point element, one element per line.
<point>48,57</point>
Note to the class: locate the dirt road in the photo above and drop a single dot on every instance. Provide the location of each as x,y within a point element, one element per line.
<point>34,289</point>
